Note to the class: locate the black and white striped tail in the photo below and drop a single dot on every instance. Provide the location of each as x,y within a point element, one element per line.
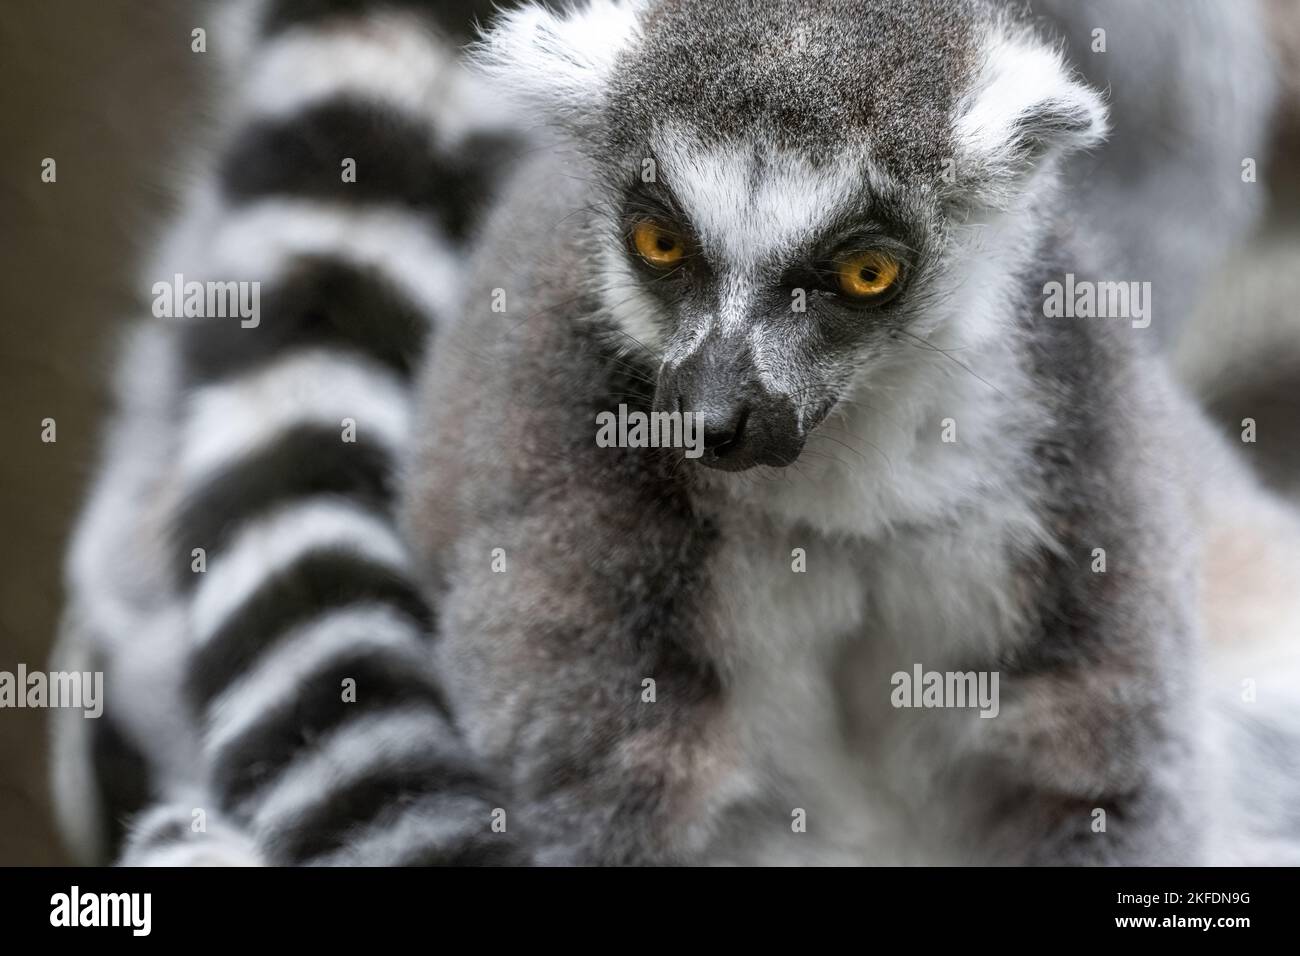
<point>325,737</point>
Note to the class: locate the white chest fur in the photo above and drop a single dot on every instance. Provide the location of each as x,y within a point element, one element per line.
<point>811,632</point>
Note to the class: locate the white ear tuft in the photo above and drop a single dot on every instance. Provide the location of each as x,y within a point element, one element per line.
<point>1025,107</point>
<point>557,64</point>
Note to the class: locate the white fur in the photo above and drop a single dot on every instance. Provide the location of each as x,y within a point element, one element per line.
<point>746,221</point>
<point>384,56</point>
<point>141,443</point>
<point>358,749</point>
<point>553,65</point>
<point>413,830</point>
<point>263,240</point>
<point>1018,78</point>
<point>633,310</point>
<point>219,844</point>
<point>304,652</point>
<point>260,550</point>
<point>231,419</point>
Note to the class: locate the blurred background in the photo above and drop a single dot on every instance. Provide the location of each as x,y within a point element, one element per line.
<point>111,90</point>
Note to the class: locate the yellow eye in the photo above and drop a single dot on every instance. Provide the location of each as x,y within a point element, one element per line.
<point>658,245</point>
<point>866,275</point>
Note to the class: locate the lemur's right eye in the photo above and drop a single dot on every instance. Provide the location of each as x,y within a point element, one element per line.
<point>867,276</point>
<point>657,244</point>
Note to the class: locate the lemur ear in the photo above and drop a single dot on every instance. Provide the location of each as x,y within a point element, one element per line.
<point>556,66</point>
<point>1024,109</point>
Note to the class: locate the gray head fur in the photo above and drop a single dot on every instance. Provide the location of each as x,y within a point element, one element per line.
<point>778,140</point>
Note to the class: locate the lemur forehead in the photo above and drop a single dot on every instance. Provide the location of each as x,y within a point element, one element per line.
<point>809,76</point>
<point>753,204</point>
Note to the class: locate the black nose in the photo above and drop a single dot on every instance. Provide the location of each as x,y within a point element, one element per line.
<point>724,426</point>
<point>741,423</point>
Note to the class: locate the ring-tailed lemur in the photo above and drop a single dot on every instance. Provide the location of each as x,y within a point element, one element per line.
<point>237,573</point>
<point>337,78</point>
<point>752,214</point>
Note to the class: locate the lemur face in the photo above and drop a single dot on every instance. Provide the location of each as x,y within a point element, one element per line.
<point>771,223</point>
<point>760,282</point>
<point>779,183</point>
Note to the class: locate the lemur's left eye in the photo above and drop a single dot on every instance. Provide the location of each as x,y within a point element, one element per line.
<point>867,275</point>
<point>658,244</point>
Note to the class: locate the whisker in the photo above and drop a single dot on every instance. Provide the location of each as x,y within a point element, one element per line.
<point>934,348</point>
